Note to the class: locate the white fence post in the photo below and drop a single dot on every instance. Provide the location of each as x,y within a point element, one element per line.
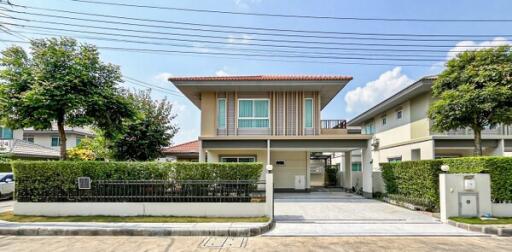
<point>269,192</point>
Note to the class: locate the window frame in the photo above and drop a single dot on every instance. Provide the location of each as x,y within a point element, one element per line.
<point>27,138</point>
<point>225,113</point>
<point>399,113</point>
<point>58,141</point>
<point>384,119</point>
<point>2,130</point>
<point>312,113</point>
<point>238,118</point>
<point>237,158</point>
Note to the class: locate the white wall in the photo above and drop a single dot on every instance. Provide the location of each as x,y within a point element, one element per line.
<point>46,140</point>
<point>502,209</point>
<point>405,151</point>
<point>295,165</point>
<point>141,209</point>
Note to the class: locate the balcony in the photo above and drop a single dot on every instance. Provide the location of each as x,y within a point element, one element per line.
<point>500,130</point>
<point>333,127</point>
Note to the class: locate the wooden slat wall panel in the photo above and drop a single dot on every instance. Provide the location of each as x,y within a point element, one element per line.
<point>231,113</point>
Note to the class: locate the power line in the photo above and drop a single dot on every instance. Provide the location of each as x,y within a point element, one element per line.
<point>220,48</point>
<point>290,15</point>
<point>226,43</point>
<point>234,38</point>
<point>225,31</point>
<point>264,28</point>
<point>153,85</point>
<point>204,54</point>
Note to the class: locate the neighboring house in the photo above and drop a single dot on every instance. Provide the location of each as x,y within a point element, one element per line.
<point>30,143</point>
<point>274,120</point>
<point>50,138</point>
<point>185,152</point>
<point>402,130</point>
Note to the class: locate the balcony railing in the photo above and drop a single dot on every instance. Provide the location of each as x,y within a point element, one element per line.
<point>498,130</point>
<point>333,124</point>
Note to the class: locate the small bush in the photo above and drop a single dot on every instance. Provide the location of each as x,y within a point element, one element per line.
<point>39,178</point>
<point>5,166</point>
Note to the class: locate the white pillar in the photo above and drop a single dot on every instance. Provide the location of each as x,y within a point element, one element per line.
<point>308,171</point>
<point>367,170</point>
<point>201,151</point>
<point>269,192</point>
<point>347,172</point>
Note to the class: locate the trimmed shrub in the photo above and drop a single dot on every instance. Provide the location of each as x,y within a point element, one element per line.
<point>40,178</point>
<point>414,180</point>
<point>420,179</point>
<point>5,167</point>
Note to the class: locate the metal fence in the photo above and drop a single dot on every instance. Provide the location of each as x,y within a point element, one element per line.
<point>333,124</point>
<point>152,191</point>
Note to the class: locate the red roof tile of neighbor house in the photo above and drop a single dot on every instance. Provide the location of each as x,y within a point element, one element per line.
<point>263,78</point>
<point>188,147</point>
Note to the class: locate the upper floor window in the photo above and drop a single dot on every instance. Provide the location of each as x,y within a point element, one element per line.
<point>308,113</point>
<point>399,113</point>
<point>5,133</point>
<point>55,141</point>
<point>253,113</point>
<point>368,128</point>
<point>29,138</point>
<point>221,113</point>
<point>384,119</point>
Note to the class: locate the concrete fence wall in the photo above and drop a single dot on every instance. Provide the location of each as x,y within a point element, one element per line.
<point>141,209</point>
<point>378,182</point>
<point>502,209</point>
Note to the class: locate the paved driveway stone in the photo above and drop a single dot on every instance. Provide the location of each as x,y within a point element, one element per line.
<point>345,214</point>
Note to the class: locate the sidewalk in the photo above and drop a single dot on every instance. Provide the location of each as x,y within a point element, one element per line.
<point>134,229</point>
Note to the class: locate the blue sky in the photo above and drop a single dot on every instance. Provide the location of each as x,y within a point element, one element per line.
<point>370,84</point>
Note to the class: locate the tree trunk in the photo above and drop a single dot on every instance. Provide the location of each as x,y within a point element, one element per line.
<point>478,142</point>
<point>62,136</point>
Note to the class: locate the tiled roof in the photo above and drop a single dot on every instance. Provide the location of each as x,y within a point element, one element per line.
<point>188,147</point>
<point>263,78</point>
<point>27,149</point>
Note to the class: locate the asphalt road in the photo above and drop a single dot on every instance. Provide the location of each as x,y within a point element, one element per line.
<point>104,243</point>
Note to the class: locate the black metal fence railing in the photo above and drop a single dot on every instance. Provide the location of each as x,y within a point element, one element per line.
<point>151,191</point>
<point>333,124</point>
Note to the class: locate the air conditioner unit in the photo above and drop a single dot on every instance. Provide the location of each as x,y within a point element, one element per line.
<point>84,183</point>
<point>375,143</point>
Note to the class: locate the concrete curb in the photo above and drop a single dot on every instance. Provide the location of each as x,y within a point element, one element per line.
<point>486,229</point>
<point>103,231</point>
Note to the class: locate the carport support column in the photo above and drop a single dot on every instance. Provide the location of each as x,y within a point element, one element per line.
<point>366,161</point>
<point>201,151</point>
<point>347,172</point>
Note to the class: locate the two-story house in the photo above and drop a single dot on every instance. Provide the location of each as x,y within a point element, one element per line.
<point>275,120</point>
<point>402,130</point>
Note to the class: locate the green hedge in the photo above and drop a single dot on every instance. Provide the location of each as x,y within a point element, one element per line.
<point>420,179</point>
<point>5,167</point>
<point>38,178</point>
<point>414,180</point>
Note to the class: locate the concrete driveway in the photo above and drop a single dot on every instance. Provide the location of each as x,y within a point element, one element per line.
<point>344,214</point>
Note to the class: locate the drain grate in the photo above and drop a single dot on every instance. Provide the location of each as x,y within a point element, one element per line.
<point>224,242</point>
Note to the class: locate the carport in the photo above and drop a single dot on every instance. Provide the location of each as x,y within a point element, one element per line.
<point>290,156</point>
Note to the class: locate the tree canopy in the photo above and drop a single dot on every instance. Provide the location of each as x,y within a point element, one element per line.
<point>60,81</point>
<point>475,91</point>
<point>143,138</point>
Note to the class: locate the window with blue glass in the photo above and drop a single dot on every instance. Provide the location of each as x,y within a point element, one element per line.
<point>308,113</point>
<point>55,141</point>
<point>5,133</point>
<point>78,140</point>
<point>356,167</point>
<point>253,113</point>
<point>221,113</point>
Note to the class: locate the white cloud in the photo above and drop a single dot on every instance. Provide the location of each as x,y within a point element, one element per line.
<point>162,76</point>
<point>239,39</point>
<point>245,4</point>
<point>375,91</point>
<point>221,73</point>
<point>468,45</point>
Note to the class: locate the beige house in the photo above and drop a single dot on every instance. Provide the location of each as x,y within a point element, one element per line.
<point>275,120</point>
<point>401,129</point>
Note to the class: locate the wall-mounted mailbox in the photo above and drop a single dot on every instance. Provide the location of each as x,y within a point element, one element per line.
<point>469,183</point>
<point>280,162</point>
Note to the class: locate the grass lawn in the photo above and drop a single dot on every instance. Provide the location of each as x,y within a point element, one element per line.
<point>478,221</point>
<point>9,216</point>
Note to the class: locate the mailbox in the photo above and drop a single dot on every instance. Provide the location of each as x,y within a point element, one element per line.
<point>469,183</point>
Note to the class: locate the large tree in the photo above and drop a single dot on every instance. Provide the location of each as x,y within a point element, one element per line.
<point>475,91</point>
<point>60,81</point>
<point>143,138</point>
